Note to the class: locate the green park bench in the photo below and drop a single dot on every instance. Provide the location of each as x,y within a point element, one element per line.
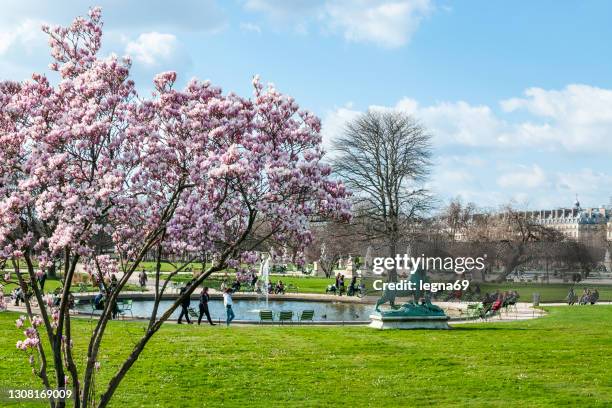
<point>307,316</point>
<point>285,316</point>
<point>266,316</point>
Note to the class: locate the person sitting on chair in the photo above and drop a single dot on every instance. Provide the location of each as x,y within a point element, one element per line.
<point>280,288</point>
<point>352,286</point>
<point>586,294</point>
<point>236,286</point>
<point>594,296</point>
<point>98,301</point>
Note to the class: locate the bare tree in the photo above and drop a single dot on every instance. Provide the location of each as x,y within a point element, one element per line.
<point>518,239</point>
<point>332,241</point>
<point>384,158</point>
<point>456,217</point>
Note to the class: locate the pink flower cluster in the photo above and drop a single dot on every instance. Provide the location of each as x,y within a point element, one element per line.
<point>214,171</point>
<point>31,341</point>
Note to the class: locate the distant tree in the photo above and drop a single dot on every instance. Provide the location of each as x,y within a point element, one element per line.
<point>332,241</point>
<point>384,158</point>
<point>519,239</point>
<point>456,217</point>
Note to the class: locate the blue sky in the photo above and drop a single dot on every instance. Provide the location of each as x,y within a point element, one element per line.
<point>517,95</point>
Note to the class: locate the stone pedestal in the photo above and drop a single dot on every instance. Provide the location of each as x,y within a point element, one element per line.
<point>408,322</point>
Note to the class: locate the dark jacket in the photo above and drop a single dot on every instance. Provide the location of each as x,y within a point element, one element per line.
<point>187,300</point>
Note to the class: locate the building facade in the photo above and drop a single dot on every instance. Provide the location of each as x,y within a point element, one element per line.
<point>589,225</point>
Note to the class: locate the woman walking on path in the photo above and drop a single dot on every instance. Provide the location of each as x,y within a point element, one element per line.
<point>227,301</point>
<point>204,298</point>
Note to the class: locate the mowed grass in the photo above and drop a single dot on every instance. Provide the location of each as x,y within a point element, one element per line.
<point>555,292</point>
<point>552,292</point>
<point>563,359</point>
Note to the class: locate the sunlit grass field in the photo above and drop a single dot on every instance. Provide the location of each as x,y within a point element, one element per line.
<point>563,359</point>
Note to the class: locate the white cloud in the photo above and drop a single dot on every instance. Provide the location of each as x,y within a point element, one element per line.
<point>333,125</point>
<point>250,27</point>
<point>578,117</point>
<point>523,177</point>
<point>152,49</point>
<point>582,181</point>
<point>448,122</point>
<point>24,49</point>
<point>387,23</point>
<point>24,35</point>
<point>541,157</point>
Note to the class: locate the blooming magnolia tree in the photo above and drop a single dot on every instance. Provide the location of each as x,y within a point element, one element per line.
<point>86,167</point>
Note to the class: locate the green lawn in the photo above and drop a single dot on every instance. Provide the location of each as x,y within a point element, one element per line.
<point>304,284</point>
<point>150,266</point>
<point>548,292</point>
<point>554,292</point>
<point>52,284</point>
<point>563,359</point>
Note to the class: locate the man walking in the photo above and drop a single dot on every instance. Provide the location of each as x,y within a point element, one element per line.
<point>204,298</point>
<point>185,305</point>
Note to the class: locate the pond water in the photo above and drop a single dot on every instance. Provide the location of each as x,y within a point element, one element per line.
<point>249,309</point>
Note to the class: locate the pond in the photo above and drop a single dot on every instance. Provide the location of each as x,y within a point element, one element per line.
<point>249,309</point>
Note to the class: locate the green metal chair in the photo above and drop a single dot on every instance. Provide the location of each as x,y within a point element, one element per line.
<point>126,306</point>
<point>474,310</point>
<point>192,313</point>
<point>307,316</point>
<point>285,316</point>
<point>266,316</point>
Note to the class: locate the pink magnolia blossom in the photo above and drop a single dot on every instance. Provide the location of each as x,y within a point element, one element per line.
<point>111,176</point>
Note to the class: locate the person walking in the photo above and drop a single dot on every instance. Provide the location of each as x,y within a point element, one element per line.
<point>41,280</point>
<point>143,279</point>
<point>227,301</point>
<point>114,284</point>
<point>204,298</point>
<point>571,296</point>
<point>185,306</point>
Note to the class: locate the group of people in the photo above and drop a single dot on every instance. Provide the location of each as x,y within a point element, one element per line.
<point>339,288</point>
<point>588,297</point>
<point>19,294</point>
<point>278,288</point>
<point>246,278</point>
<point>104,293</point>
<point>493,302</point>
<point>203,305</point>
